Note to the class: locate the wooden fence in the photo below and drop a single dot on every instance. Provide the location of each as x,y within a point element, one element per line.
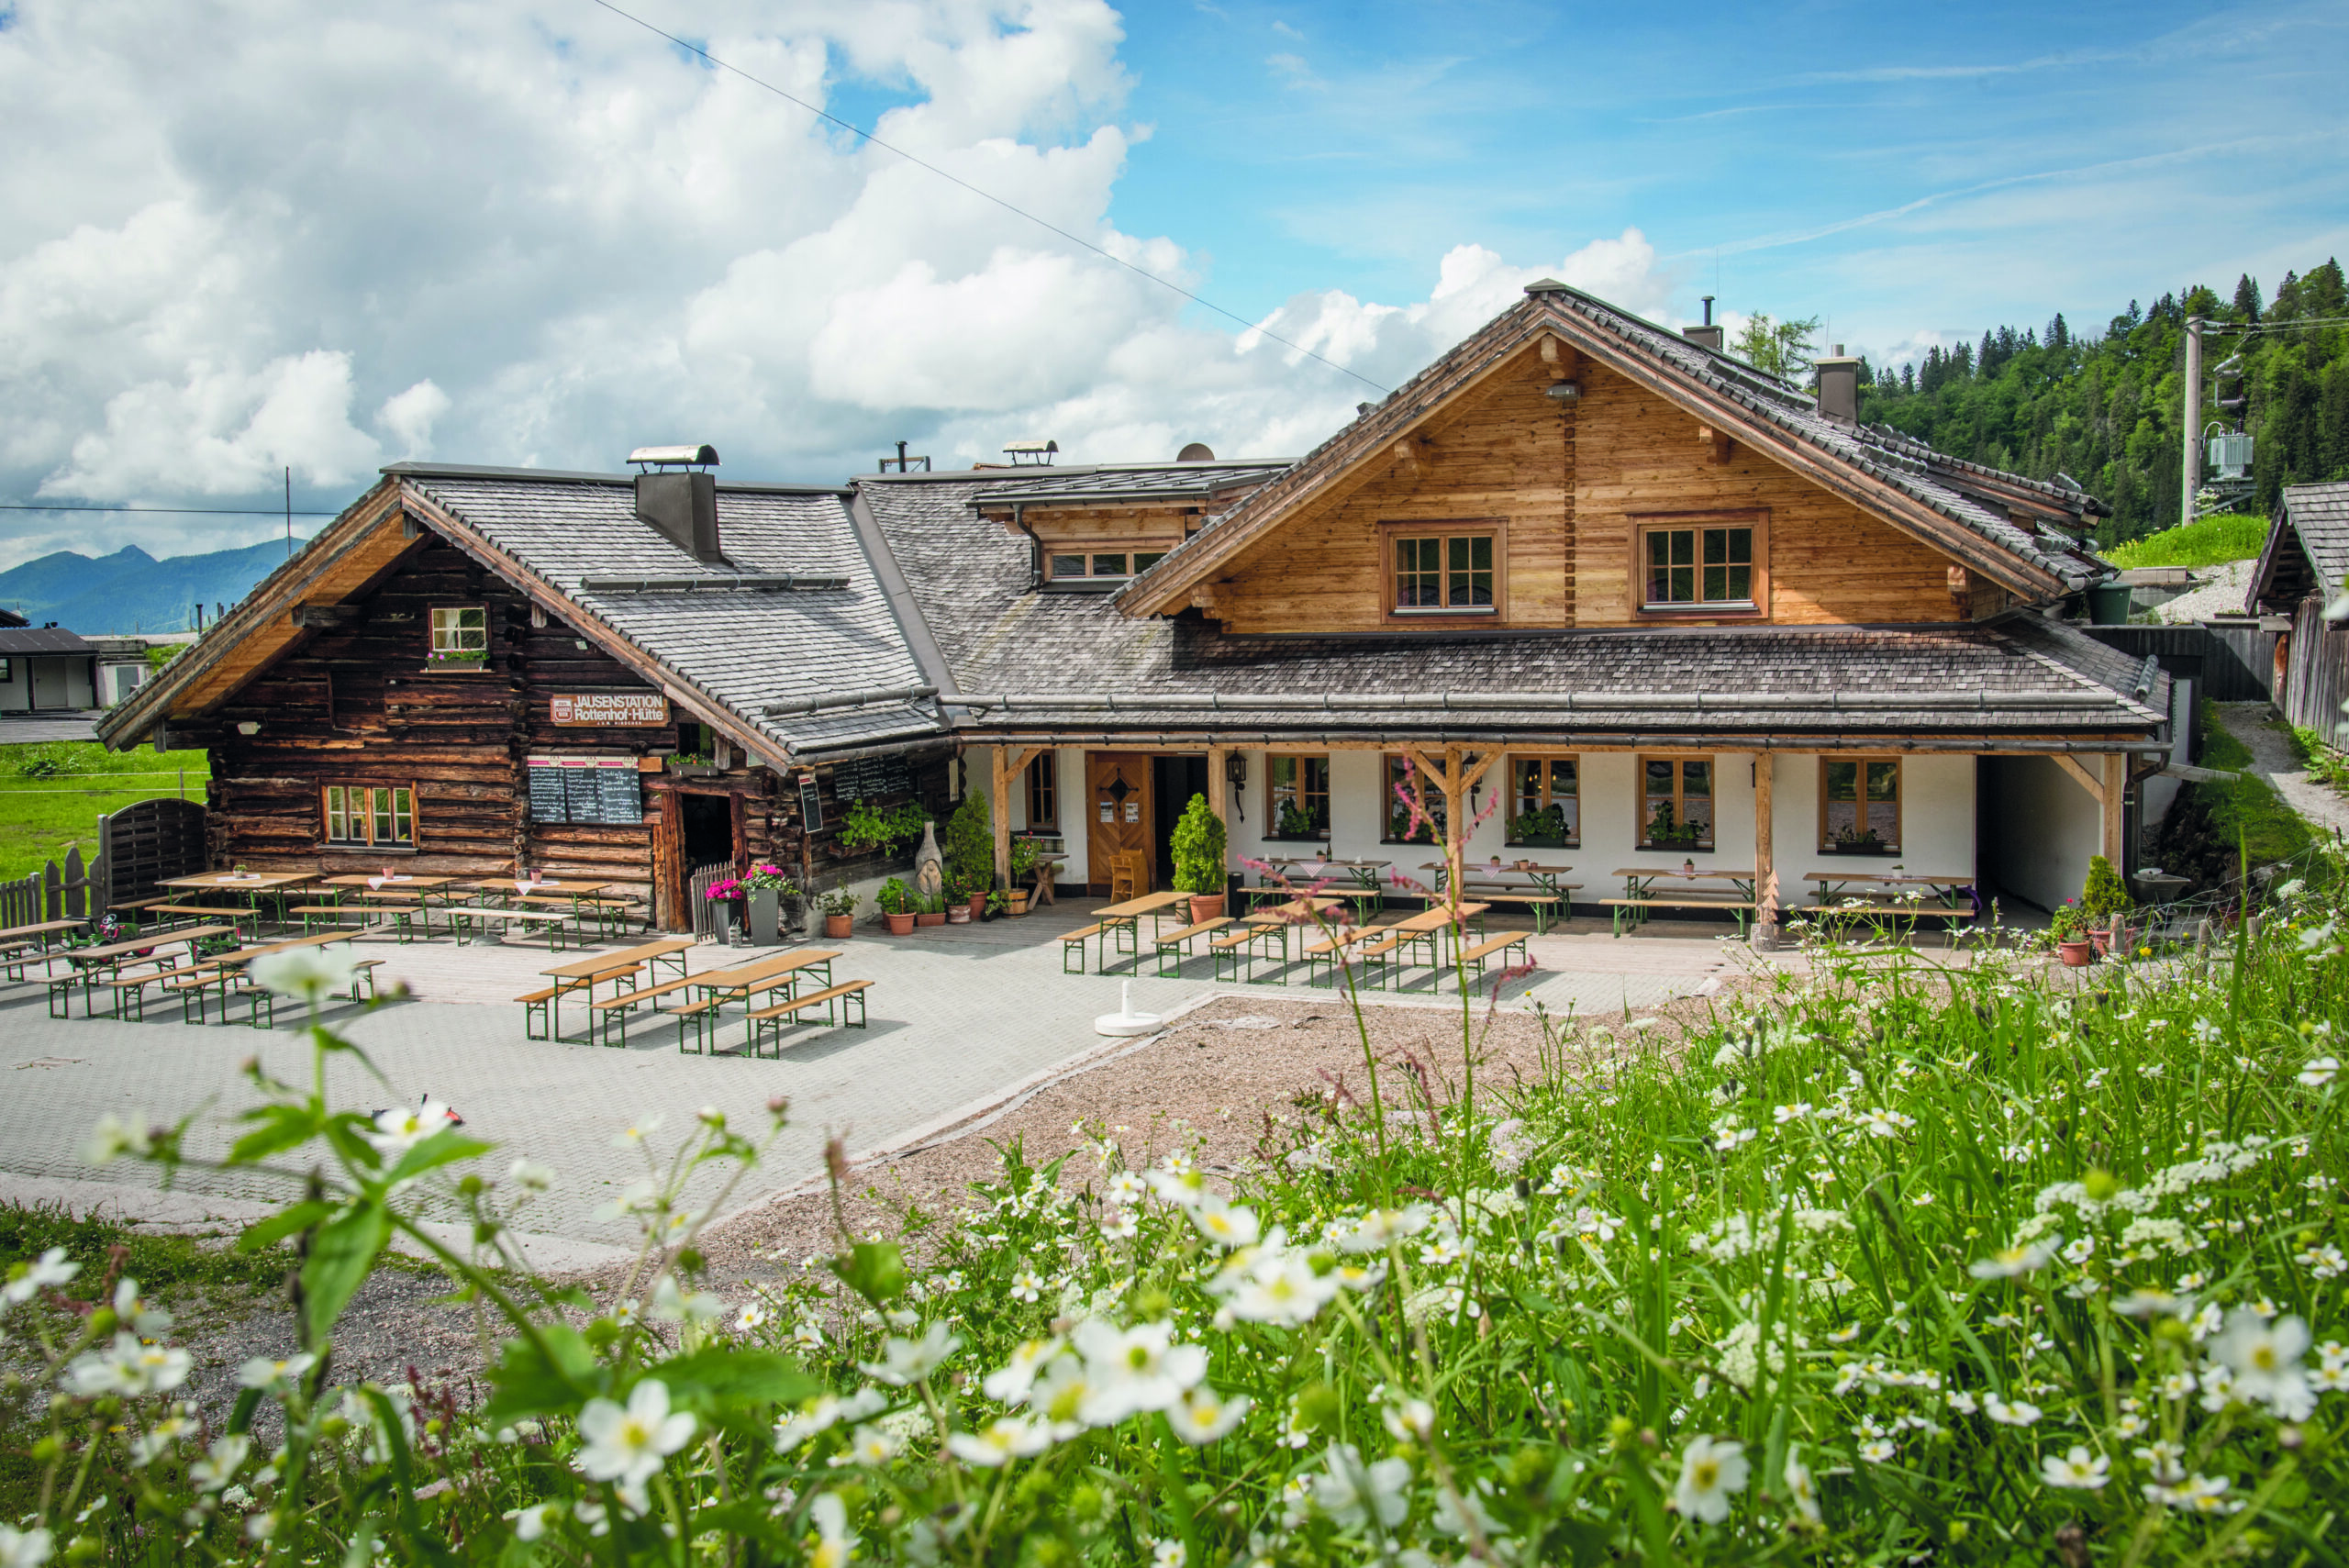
<point>71,892</point>
<point>2316,660</point>
<point>709,919</point>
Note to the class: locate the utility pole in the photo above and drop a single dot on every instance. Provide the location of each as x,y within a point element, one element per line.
<point>289,508</point>
<point>2190,479</point>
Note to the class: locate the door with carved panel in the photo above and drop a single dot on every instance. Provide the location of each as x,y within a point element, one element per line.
<point>1118,818</point>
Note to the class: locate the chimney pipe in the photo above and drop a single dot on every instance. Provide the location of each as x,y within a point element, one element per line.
<point>679,496</point>
<point>1839,386</point>
<point>1708,335</point>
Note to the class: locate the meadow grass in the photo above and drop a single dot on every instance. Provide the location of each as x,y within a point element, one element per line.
<point>2206,541</point>
<point>2248,811</point>
<point>1882,1262</point>
<point>52,794</point>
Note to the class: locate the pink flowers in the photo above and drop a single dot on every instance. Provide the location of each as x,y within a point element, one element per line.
<point>727,891</point>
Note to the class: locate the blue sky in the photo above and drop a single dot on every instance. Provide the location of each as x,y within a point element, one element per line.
<point>253,234</point>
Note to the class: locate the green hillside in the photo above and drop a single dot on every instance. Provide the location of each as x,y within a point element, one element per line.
<point>2104,406</point>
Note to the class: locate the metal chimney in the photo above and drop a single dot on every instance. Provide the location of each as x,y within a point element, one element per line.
<point>677,494</point>
<point>1839,386</point>
<point>1708,335</point>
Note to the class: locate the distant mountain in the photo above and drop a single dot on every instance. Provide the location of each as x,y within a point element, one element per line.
<point>130,590</point>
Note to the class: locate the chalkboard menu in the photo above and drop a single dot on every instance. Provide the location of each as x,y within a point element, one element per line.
<point>871,777</point>
<point>811,805</point>
<point>585,789</point>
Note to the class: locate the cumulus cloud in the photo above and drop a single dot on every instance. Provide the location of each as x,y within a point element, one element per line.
<point>531,233</point>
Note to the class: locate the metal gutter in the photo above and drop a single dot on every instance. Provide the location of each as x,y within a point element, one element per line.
<point>1569,702</point>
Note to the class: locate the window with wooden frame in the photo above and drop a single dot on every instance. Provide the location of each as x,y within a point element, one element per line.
<point>1545,802</point>
<point>7,671</point>
<point>1676,803</point>
<point>382,817</point>
<point>1703,564</point>
<point>1087,566</point>
<point>1439,570</point>
<point>1859,806</point>
<point>1296,797</point>
<point>1399,827</point>
<point>460,635</point>
<point>1043,791</point>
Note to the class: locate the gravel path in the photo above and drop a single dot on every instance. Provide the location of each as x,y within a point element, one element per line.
<point>2221,593</point>
<point>2254,723</point>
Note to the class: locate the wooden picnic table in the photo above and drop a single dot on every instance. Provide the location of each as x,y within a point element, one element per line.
<point>253,885</point>
<point>581,973</point>
<point>398,882</point>
<point>769,975</point>
<point>1047,868</point>
<point>1368,893</point>
<point>1126,918</point>
<point>1640,891</point>
<point>15,939</point>
<point>88,963</point>
<point>1428,927</point>
<point>1483,876</point>
<point>1949,888</point>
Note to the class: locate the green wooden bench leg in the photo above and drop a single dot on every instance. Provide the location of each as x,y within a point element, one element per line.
<point>1076,949</point>
<point>1170,960</point>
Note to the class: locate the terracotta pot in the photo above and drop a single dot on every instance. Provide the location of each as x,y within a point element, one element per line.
<point>978,904</point>
<point>2100,939</point>
<point>930,918</point>
<point>1206,906</point>
<point>2075,955</point>
<point>899,925</point>
<point>836,927</point>
<point>958,914</point>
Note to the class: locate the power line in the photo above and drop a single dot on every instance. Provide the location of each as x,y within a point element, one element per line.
<point>989,196</point>
<point>203,511</point>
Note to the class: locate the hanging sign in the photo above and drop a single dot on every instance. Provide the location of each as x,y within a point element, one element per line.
<point>811,805</point>
<point>603,709</point>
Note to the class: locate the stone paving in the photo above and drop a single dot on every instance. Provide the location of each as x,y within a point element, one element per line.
<point>962,1015</point>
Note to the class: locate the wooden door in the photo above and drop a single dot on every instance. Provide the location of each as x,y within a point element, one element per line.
<point>1118,817</point>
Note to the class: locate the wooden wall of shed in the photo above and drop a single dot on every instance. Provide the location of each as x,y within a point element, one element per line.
<point>358,704</point>
<point>1568,484</point>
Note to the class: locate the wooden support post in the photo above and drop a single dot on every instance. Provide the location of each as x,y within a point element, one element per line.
<point>1000,800</point>
<point>1455,819</point>
<point>1765,863</point>
<point>2114,794</point>
<point>1217,791</point>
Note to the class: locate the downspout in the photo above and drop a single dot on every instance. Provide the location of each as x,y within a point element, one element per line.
<point>1035,546</point>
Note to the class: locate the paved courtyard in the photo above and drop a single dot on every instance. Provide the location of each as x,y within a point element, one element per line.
<point>962,1015</point>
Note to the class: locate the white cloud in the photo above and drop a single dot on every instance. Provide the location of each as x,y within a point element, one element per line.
<point>533,233</point>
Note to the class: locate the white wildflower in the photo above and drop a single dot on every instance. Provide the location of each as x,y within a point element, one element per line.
<point>628,1444</point>
<point>1710,1471</point>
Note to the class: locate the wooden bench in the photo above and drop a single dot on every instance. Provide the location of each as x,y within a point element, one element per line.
<point>141,972</point>
<point>363,970</point>
<point>703,1016</point>
<point>1491,945</point>
<point>407,910</point>
<point>338,915</point>
<point>199,913</point>
<point>1171,945</point>
<point>463,917</point>
<point>611,1013</point>
<point>1074,943</point>
<point>771,1019</point>
<point>614,912</point>
<point>1544,906</point>
<point>1230,945</point>
<point>129,988</point>
<point>536,1008</point>
<point>1740,908</point>
<point>194,987</point>
<point>1331,950</point>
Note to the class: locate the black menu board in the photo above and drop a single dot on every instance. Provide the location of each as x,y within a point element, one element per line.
<point>585,789</point>
<point>619,794</point>
<point>871,777</point>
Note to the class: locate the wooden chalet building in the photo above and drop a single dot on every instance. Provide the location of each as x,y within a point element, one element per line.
<point>1618,596</point>
<point>2303,569</point>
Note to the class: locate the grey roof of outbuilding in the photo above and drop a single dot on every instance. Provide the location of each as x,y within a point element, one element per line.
<point>742,650</point>
<point>2320,515</point>
<point>1138,482</point>
<point>1909,465</point>
<point>1074,661</point>
<point>41,639</point>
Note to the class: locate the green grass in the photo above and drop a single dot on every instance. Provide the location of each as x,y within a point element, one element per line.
<point>2271,831</point>
<point>52,794</point>
<point>2206,541</point>
<point>2324,764</point>
<point>165,1265</point>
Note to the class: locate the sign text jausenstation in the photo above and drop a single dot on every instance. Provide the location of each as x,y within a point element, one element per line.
<point>600,709</point>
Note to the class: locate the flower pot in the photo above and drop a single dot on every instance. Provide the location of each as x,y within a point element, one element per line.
<point>930,918</point>
<point>2100,939</point>
<point>1206,906</point>
<point>2075,955</point>
<point>899,925</point>
<point>978,904</point>
<point>958,914</point>
<point>1015,901</point>
<point>838,926</point>
<point>765,907</point>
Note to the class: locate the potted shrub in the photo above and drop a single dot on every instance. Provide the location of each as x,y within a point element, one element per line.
<point>868,828</point>
<point>762,890</point>
<point>969,853</point>
<point>839,915</point>
<point>896,904</point>
<point>2069,928</point>
<point>2104,900</point>
<point>930,911</point>
<point>1198,847</point>
<point>960,905</point>
<point>1023,876</point>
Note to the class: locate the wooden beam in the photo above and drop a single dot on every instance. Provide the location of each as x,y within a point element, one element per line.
<point>1717,444</point>
<point>999,797</point>
<point>1411,453</point>
<point>1455,820</point>
<point>1483,765</point>
<point>1765,863</point>
<point>1560,356</point>
<point>2087,780</point>
<point>1218,789</point>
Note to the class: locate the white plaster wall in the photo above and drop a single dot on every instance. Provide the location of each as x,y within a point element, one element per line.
<point>2042,825</point>
<point>16,693</point>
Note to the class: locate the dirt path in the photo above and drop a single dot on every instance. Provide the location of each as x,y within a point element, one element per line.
<point>2273,760</point>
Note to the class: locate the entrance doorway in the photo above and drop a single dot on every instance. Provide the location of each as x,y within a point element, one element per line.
<point>1174,781</point>
<point>708,823</point>
<point>1119,821</point>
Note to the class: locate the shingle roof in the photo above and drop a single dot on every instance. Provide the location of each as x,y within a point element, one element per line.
<point>742,650</point>
<point>1928,478</point>
<point>2320,515</point>
<point>1074,661</point>
<point>1136,481</point>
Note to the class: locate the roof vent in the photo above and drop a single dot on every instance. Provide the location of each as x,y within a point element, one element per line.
<point>1708,335</point>
<point>676,494</point>
<point>1031,454</point>
<point>1197,452</point>
<point>1839,386</point>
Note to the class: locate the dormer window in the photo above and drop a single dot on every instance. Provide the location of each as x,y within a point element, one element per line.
<point>1103,569</point>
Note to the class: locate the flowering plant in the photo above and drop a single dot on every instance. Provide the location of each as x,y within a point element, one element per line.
<point>1948,1267</point>
<point>728,890</point>
<point>767,877</point>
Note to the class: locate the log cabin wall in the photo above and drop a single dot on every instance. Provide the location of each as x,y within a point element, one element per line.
<point>1567,482</point>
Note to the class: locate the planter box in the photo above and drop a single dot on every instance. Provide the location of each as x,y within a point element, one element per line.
<point>930,918</point>
<point>766,912</point>
<point>693,770</point>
